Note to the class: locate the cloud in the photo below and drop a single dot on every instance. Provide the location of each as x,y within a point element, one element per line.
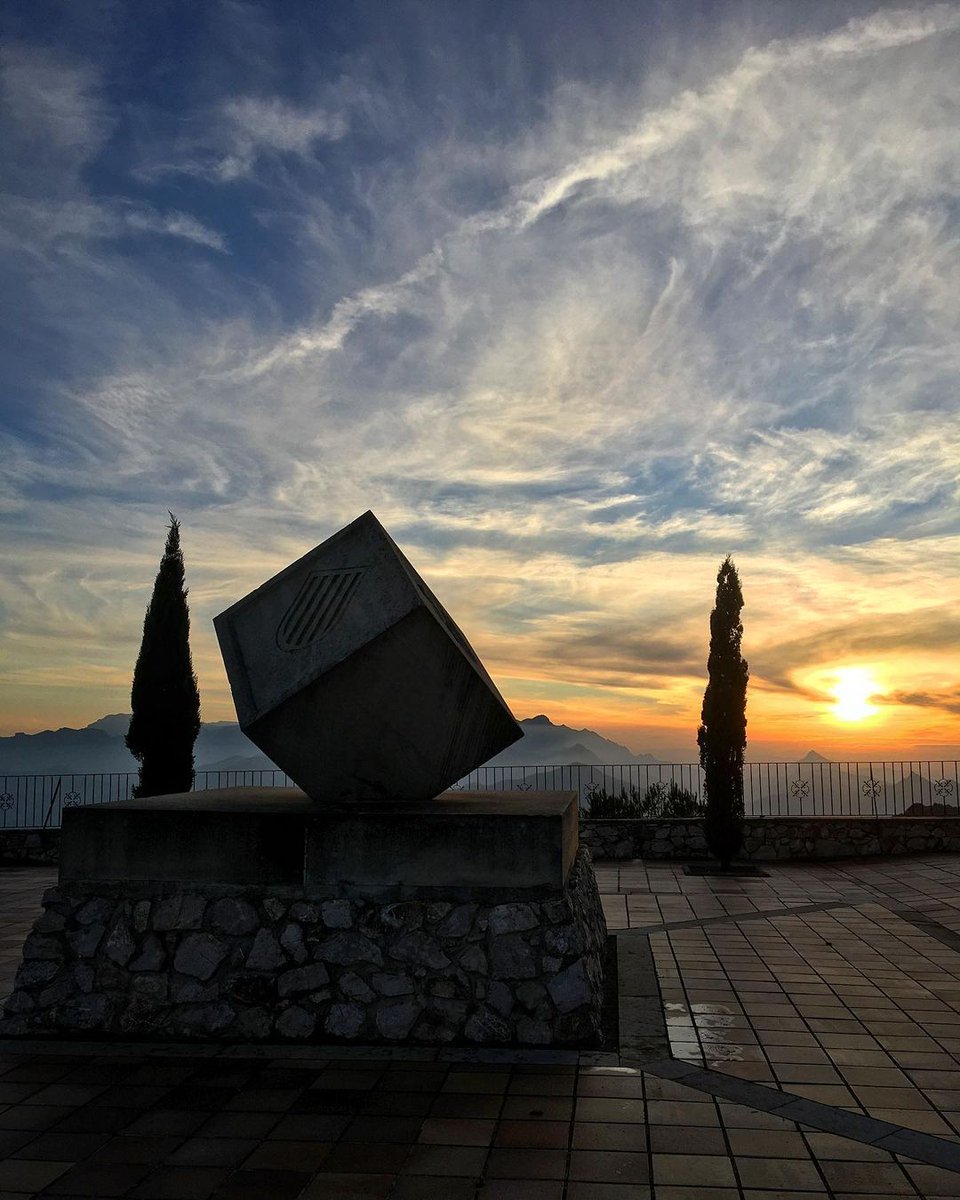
<point>726,189</point>
<point>172,224</point>
<point>570,361</point>
<point>258,126</point>
<point>239,133</point>
<point>52,116</point>
<point>946,701</point>
<point>821,404</point>
<point>56,123</point>
<point>933,630</point>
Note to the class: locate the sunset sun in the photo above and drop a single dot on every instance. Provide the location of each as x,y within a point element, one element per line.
<point>852,691</point>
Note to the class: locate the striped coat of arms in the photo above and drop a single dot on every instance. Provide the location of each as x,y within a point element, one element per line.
<point>320,603</point>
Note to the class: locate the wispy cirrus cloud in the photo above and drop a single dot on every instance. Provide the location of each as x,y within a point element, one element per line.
<point>55,121</point>
<point>570,363</point>
<point>54,117</point>
<point>257,126</point>
<point>233,137</point>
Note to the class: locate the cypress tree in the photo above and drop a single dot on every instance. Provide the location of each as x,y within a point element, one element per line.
<point>165,700</point>
<point>722,736</point>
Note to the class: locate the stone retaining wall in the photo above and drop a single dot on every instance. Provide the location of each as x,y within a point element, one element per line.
<point>768,838</point>
<point>247,964</point>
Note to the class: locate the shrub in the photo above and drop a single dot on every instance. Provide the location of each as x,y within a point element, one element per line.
<point>671,800</point>
<point>660,799</point>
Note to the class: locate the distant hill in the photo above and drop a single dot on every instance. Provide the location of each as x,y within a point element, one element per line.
<point>58,751</point>
<point>239,762</point>
<point>546,744</point>
<point>99,748</point>
<point>116,724</point>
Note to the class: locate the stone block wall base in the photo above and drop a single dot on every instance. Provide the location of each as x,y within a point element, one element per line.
<point>767,839</point>
<point>243,963</point>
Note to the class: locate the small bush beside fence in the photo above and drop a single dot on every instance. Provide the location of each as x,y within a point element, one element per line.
<point>659,800</point>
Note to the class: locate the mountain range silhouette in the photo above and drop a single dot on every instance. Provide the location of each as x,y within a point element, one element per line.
<point>99,748</point>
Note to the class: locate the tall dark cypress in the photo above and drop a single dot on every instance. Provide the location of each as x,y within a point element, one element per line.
<point>722,736</point>
<point>165,700</point>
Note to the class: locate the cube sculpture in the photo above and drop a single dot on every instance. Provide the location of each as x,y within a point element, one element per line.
<point>349,674</point>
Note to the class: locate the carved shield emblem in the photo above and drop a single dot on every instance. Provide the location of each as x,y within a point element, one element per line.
<point>317,607</point>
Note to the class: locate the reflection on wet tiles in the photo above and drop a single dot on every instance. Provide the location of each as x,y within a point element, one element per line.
<point>715,1036</point>
<point>715,1021</point>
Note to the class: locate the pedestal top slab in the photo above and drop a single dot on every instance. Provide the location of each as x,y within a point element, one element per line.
<point>263,836</point>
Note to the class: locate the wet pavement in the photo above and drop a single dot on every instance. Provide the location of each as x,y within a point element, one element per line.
<point>794,1035</point>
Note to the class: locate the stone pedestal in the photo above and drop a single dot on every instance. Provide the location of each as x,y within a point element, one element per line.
<point>252,913</point>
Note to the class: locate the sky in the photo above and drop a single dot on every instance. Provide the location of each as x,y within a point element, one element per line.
<point>579,298</point>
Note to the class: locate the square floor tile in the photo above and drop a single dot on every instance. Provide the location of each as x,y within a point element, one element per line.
<point>529,1108</point>
<point>455,1131</point>
<point>767,1143</point>
<point>680,1112</point>
<point>433,1187</point>
<point>616,1109</point>
<point>934,1181</point>
<point>54,1146</point>
<point>607,1191</point>
<point>445,1160</point>
<point>526,1164</point>
<point>702,1170</point>
<point>884,1178</point>
<point>277,1184</point>
<point>98,1181</point>
<point>132,1150</point>
<point>779,1174</point>
<point>26,1175</point>
<point>533,1135</point>
<point>610,1166</point>
<point>366,1157</point>
<point>288,1156</point>
<point>521,1189</point>
<point>596,1135</point>
<point>181,1183</point>
<point>383,1129</point>
<point>326,1186</point>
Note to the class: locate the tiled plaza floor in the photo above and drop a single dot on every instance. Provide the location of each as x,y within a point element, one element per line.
<point>799,1036</point>
<point>855,1005</point>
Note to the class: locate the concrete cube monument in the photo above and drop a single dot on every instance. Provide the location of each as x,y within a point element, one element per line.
<point>349,674</point>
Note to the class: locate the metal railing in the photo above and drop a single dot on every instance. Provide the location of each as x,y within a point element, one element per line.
<point>771,789</point>
<point>38,801</point>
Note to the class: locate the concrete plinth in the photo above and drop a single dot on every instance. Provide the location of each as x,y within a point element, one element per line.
<point>274,836</point>
<point>248,914</point>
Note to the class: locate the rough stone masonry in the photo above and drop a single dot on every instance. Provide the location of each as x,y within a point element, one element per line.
<point>252,964</point>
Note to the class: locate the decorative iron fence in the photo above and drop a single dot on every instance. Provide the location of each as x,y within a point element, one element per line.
<point>771,789</point>
<point>38,801</point>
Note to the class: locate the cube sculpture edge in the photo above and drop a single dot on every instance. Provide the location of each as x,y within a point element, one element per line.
<point>350,675</point>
